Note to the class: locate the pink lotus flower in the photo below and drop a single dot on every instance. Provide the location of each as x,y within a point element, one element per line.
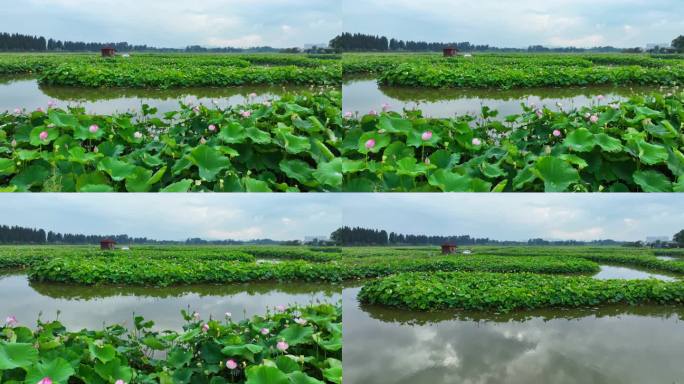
<point>386,107</point>
<point>45,380</point>
<point>427,161</point>
<point>94,128</point>
<point>348,115</point>
<point>283,346</point>
<point>119,382</point>
<point>40,109</point>
<point>280,308</point>
<point>11,321</point>
<point>96,150</point>
<point>300,321</point>
<point>52,104</point>
<point>205,328</point>
<point>593,118</point>
<point>264,331</point>
<point>17,111</point>
<point>212,127</point>
<point>557,133</point>
<point>196,315</point>
<point>373,112</point>
<point>600,97</point>
<point>14,143</point>
<point>370,144</point>
<point>231,364</point>
<point>43,135</point>
<point>138,135</point>
<point>476,142</point>
<point>427,135</point>
<point>246,114</point>
<point>253,95</point>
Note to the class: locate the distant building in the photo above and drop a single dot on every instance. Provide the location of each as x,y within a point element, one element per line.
<point>450,51</point>
<point>108,52</point>
<point>650,46</point>
<point>315,239</point>
<point>448,249</point>
<point>107,244</point>
<point>312,46</point>
<point>654,239</point>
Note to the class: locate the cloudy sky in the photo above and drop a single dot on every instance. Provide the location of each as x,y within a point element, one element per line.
<point>582,23</point>
<point>176,217</point>
<point>178,23</point>
<point>283,217</point>
<point>521,216</point>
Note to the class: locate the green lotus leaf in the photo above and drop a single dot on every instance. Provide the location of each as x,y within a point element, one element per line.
<point>17,355</point>
<point>652,181</point>
<point>557,174</point>
<point>209,161</point>
<point>59,370</point>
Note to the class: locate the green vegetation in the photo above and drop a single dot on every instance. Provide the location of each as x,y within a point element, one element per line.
<point>516,70</point>
<point>301,143</point>
<point>254,148</point>
<point>161,272</point>
<point>169,70</point>
<point>290,345</point>
<point>505,292</point>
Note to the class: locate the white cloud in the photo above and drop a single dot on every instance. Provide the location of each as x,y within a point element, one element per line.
<point>243,41</point>
<point>177,23</point>
<point>520,23</point>
<point>240,234</point>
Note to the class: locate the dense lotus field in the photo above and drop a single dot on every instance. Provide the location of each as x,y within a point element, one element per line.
<point>506,71</point>
<point>284,346</point>
<point>170,71</point>
<point>303,143</point>
<point>505,292</point>
<point>179,265</point>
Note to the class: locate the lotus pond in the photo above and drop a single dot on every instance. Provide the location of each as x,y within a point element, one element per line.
<point>22,91</point>
<point>363,93</point>
<point>622,323</point>
<point>258,332</point>
<point>600,345</point>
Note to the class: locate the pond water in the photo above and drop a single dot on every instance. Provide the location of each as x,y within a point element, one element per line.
<point>25,92</point>
<point>617,272</point>
<point>363,94</point>
<point>90,307</point>
<point>609,345</point>
<point>667,258</point>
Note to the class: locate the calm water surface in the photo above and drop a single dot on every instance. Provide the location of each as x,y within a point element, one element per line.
<point>618,272</point>
<point>592,346</point>
<point>25,92</point>
<point>88,307</point>
<point>361,94</point>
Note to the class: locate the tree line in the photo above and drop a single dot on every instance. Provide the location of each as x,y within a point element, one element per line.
<point>23,235</point>
<point>23,43</point>
<point>358,236</point>
<point>363,42</point>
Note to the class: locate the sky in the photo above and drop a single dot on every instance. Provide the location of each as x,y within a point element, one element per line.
<point>176,217</point>
<point>178,23</point>
<point>519,217</point>
<point>520,23</point>
<point>294,216</point>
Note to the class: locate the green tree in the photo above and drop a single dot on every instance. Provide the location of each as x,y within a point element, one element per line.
<point>678,43</point>
<point>679,238</point>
